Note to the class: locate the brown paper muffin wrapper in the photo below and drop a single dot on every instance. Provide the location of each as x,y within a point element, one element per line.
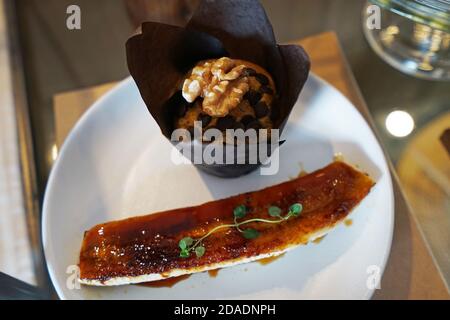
<point>161,55</point>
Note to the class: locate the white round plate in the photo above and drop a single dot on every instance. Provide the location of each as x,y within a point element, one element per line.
<point>116,164</point>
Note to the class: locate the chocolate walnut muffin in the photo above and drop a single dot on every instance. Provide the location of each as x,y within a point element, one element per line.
<point>221,93</point>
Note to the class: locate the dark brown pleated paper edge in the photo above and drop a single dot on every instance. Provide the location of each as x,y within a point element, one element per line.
<point>160,57</point>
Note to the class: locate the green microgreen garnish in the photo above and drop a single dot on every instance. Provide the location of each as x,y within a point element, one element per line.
<point>240,212</point>
<point>296,209</point>
<point>188,245</point>
<point>275,212</point>
<point>250,234</point>
<point>200,251</point>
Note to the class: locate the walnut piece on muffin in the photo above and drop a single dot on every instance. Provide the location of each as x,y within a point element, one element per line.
<point>227,94</point>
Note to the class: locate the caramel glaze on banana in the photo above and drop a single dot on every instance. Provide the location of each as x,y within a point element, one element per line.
<point>136,248</point>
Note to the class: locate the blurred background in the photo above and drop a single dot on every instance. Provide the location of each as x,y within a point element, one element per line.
<point>48,58</point>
